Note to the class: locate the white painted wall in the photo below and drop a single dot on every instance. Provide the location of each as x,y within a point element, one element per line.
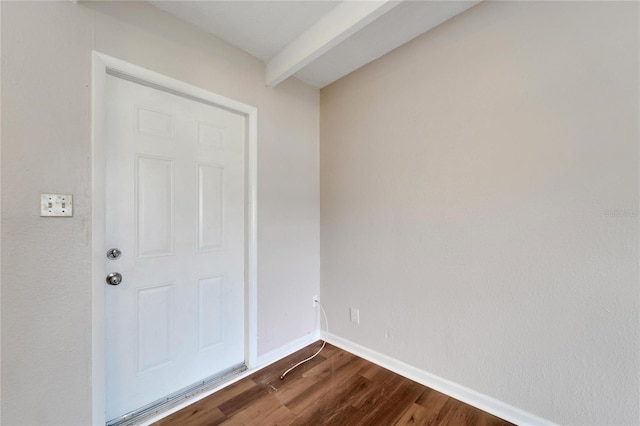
<point>46,147</point>
<point>479,205</point>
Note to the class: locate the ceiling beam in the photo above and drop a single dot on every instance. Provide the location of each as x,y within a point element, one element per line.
<point>344,20</point>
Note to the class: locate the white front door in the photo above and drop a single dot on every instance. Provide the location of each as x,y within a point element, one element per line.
<point>175,210</point>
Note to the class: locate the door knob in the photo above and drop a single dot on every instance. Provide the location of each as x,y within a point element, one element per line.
<point>114,278</point>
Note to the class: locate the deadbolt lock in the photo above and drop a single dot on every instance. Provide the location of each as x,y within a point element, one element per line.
<point>113,253</point>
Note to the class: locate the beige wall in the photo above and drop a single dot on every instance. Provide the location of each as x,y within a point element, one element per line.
<point>479,205</point>
<point>46,147</point>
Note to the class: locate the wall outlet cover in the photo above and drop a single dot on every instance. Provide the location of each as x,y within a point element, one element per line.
<point>355,315</point>
<point>56,205</point>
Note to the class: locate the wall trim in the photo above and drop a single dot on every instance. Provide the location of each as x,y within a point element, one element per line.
<point>469,396</point>
<point>287,349</point>
<point>102,64</point>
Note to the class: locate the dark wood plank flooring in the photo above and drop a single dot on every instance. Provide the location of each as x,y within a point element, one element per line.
<point>335,388</point>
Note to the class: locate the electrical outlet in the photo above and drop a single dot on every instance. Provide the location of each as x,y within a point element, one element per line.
<point>315,300</point>
<point>355,315</point>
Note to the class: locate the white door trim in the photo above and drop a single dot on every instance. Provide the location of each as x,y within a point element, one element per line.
<point>101,65</point>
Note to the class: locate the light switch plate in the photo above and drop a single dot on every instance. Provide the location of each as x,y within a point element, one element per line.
<point>60,205</point>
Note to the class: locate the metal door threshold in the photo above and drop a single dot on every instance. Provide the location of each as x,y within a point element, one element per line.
<point>170,401</point>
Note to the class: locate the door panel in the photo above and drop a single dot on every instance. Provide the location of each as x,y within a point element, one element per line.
<point>175,208</point>
<point>154,330</point>
<point>154,206</point>
<point>210,207</point>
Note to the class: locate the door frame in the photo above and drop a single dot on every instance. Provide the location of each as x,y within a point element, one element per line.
<point>102,65</point>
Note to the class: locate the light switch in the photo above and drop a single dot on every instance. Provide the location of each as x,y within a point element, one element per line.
<point>56,205</point>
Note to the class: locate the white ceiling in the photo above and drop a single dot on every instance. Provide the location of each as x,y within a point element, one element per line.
<point>316,41</point>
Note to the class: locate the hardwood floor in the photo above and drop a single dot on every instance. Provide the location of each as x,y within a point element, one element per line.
<point>335,388</point>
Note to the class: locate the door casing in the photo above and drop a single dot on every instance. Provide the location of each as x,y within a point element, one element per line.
<point>103,64</point>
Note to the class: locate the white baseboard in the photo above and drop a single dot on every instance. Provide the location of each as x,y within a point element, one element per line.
<point>287,349</point>
<point>454,390</point>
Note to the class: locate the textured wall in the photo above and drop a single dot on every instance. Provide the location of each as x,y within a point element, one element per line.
<point>479,205</point>
<point>46,147</point>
